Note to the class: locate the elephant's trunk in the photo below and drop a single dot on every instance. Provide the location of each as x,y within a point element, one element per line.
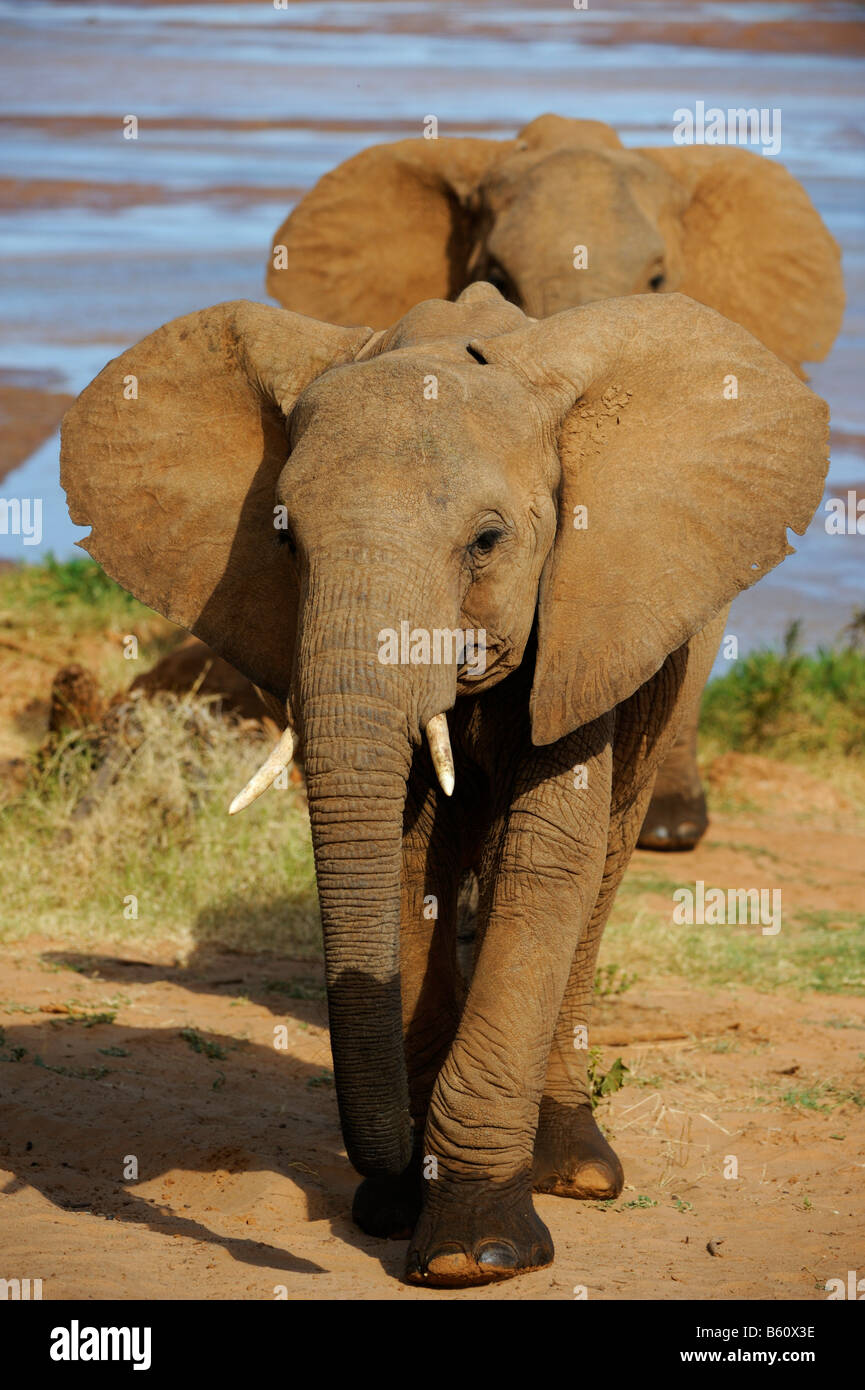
<point>360,720</point>
<point>356,816</point>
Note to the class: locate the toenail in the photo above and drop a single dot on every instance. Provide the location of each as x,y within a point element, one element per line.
<point>598,1174</point>
<point>450,1259</point>
<point>499,1254</point>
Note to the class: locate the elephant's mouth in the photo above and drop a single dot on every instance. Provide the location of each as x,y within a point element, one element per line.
<point>500,658</point>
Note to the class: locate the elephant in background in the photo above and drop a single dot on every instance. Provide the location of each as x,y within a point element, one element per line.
<point>454,511</point>
<point>418,219</point>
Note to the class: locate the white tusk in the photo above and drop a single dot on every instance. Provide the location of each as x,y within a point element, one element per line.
<point>440,750</point>
<point>276,762</point>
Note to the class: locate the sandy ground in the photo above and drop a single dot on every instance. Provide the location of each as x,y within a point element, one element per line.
<point>242,1181</point>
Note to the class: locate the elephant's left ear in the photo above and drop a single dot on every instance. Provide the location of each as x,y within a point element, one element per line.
<point>687,450</point>
<point>171,456</point>
<point>756,249</point>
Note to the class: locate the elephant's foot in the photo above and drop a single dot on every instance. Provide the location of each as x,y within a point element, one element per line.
<point>674,821</point>
<point>389,1207</point>
<point>477,1233</point>
<point>572,1157</point>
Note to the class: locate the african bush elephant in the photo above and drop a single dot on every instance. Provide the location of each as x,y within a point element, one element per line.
<point>419,218</point>
<point>427,481</point>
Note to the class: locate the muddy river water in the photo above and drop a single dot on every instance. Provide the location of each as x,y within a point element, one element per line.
<point>241,106</point>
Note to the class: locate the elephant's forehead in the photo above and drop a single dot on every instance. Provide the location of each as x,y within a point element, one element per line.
<point>568,177</point>
<point>446,398</point>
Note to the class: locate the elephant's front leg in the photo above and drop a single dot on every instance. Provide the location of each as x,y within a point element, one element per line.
<point>478,1222</point>
<point>572,1157</point>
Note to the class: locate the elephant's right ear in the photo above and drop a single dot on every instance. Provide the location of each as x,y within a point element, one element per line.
<point>171,455</point>
<point>687,449</point>
<point>385,230</point>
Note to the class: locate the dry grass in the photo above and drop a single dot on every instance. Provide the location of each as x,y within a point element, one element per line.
<point>822,951</point>
<point>160,832</point>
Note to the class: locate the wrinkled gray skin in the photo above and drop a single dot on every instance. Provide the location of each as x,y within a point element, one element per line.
<point>446,513</point>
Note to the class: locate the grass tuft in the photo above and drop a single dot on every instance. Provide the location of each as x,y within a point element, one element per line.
<point>791,704</point>
<point>157,856</point>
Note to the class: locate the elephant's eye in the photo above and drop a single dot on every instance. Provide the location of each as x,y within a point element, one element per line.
<point>484,543</point>
<point>657,282</point>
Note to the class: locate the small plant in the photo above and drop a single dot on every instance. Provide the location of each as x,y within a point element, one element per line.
<point>854,632</point>
<point>641,1202</point>
<point>822,1095</point>
<point>612,979</point>
<point>805,1098</point>
<point>324,1078</point>
<point>79,1073</point>
<point>212,1050</point>
<point>603,1084</point>
<point>14,1054</point>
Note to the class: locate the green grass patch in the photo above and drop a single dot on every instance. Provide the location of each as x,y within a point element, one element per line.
<point>45,607</point>
<point>791,704</point>
<point>821,1095</point>
<point>819,951</point>
<point>69,592</point>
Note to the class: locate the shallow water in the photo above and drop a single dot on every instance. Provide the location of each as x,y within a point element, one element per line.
<point>242,107</point>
